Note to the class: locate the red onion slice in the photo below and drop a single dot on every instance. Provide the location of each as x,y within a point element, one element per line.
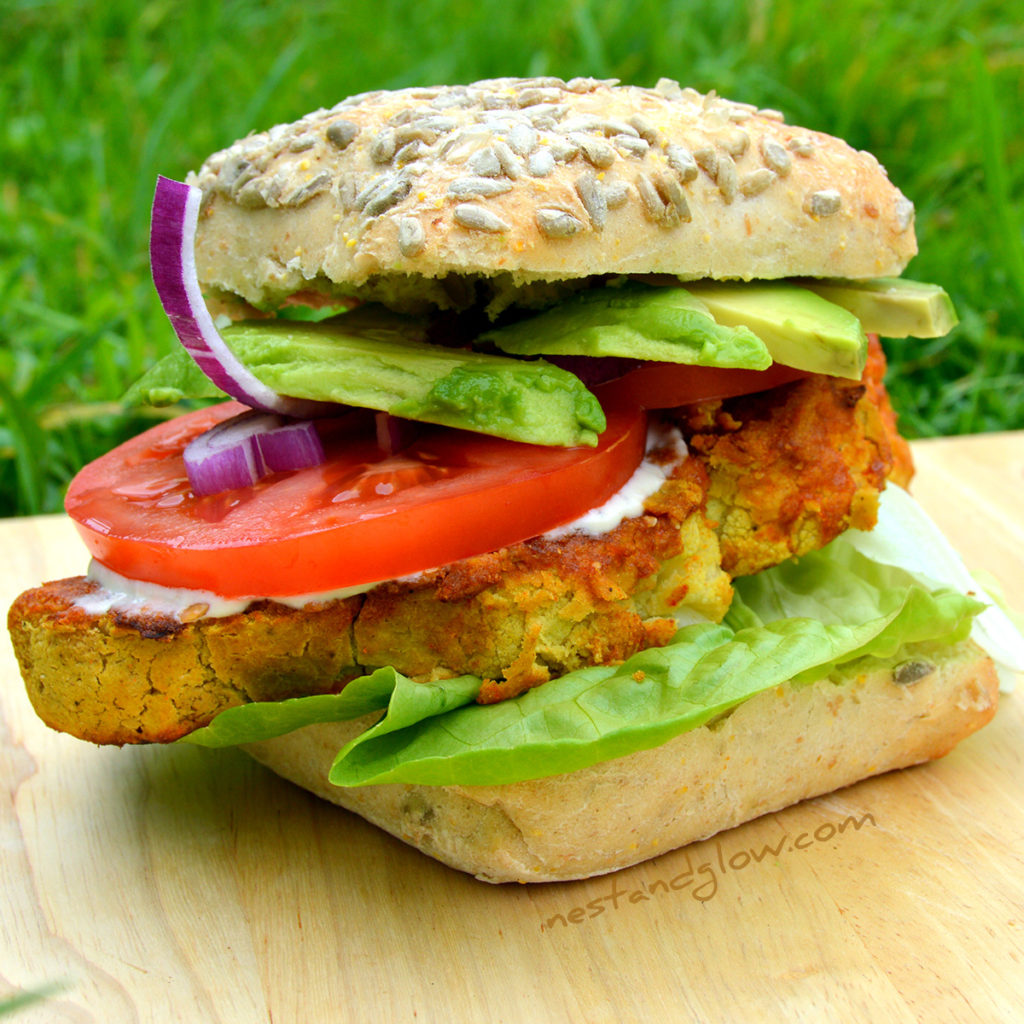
<point>393,433</point>
<point>173,262</point>
<point>241,450</point>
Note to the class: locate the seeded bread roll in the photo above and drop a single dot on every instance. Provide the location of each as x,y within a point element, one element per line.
<point>785,745</point>
<point>539,180</point>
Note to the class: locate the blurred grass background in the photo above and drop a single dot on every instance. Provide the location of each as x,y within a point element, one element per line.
<point>96,99</point>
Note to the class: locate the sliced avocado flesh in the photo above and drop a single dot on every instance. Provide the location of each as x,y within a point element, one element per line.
<point>662,324</point>
<point>377,360</point>
<point>891,306</point>
<point>799,328</point>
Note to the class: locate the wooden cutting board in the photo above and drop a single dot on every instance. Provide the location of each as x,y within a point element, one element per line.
<point>181,884</point>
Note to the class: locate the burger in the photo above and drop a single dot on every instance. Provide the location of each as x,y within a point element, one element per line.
<point>551,513</point>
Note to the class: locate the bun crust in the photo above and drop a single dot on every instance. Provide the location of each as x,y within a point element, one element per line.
<point>541,180</point>
<point>783,746</point>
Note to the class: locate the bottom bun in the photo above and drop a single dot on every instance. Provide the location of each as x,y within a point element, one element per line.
<point>785,745</point>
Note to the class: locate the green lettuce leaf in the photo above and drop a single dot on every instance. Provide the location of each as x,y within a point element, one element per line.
<point>796,621</point>
<point>384,689</point>
<point>170,380</point>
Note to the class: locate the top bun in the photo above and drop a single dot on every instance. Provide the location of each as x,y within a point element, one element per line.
<point>391,193</point>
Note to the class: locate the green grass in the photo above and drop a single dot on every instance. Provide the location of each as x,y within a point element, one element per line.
<point>12,1004</point>
<point>96,99</point>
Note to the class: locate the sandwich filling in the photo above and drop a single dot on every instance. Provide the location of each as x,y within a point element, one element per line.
<point>766,477</point>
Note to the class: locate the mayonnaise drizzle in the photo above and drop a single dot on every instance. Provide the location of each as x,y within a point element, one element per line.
<point>120,594</point>
<point>646,480</point>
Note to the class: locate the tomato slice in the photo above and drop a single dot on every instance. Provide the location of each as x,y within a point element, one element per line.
<point>666,385</point>
<point>361,517</point>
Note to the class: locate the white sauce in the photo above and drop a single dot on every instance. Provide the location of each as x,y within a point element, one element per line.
<point>118,593</point>
<point>628,502</point>
<point>121,594</point>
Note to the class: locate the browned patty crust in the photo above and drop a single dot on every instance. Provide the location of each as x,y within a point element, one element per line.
<point>770,477</point>
<point>788,474</point>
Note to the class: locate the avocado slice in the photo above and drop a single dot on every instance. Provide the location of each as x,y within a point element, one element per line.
<point>637,321</point>
<point>378,360</point>
<point>892,306</point>
<point>799,328</point>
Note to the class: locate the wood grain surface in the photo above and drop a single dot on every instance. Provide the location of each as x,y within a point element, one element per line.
<point>182,884</point>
